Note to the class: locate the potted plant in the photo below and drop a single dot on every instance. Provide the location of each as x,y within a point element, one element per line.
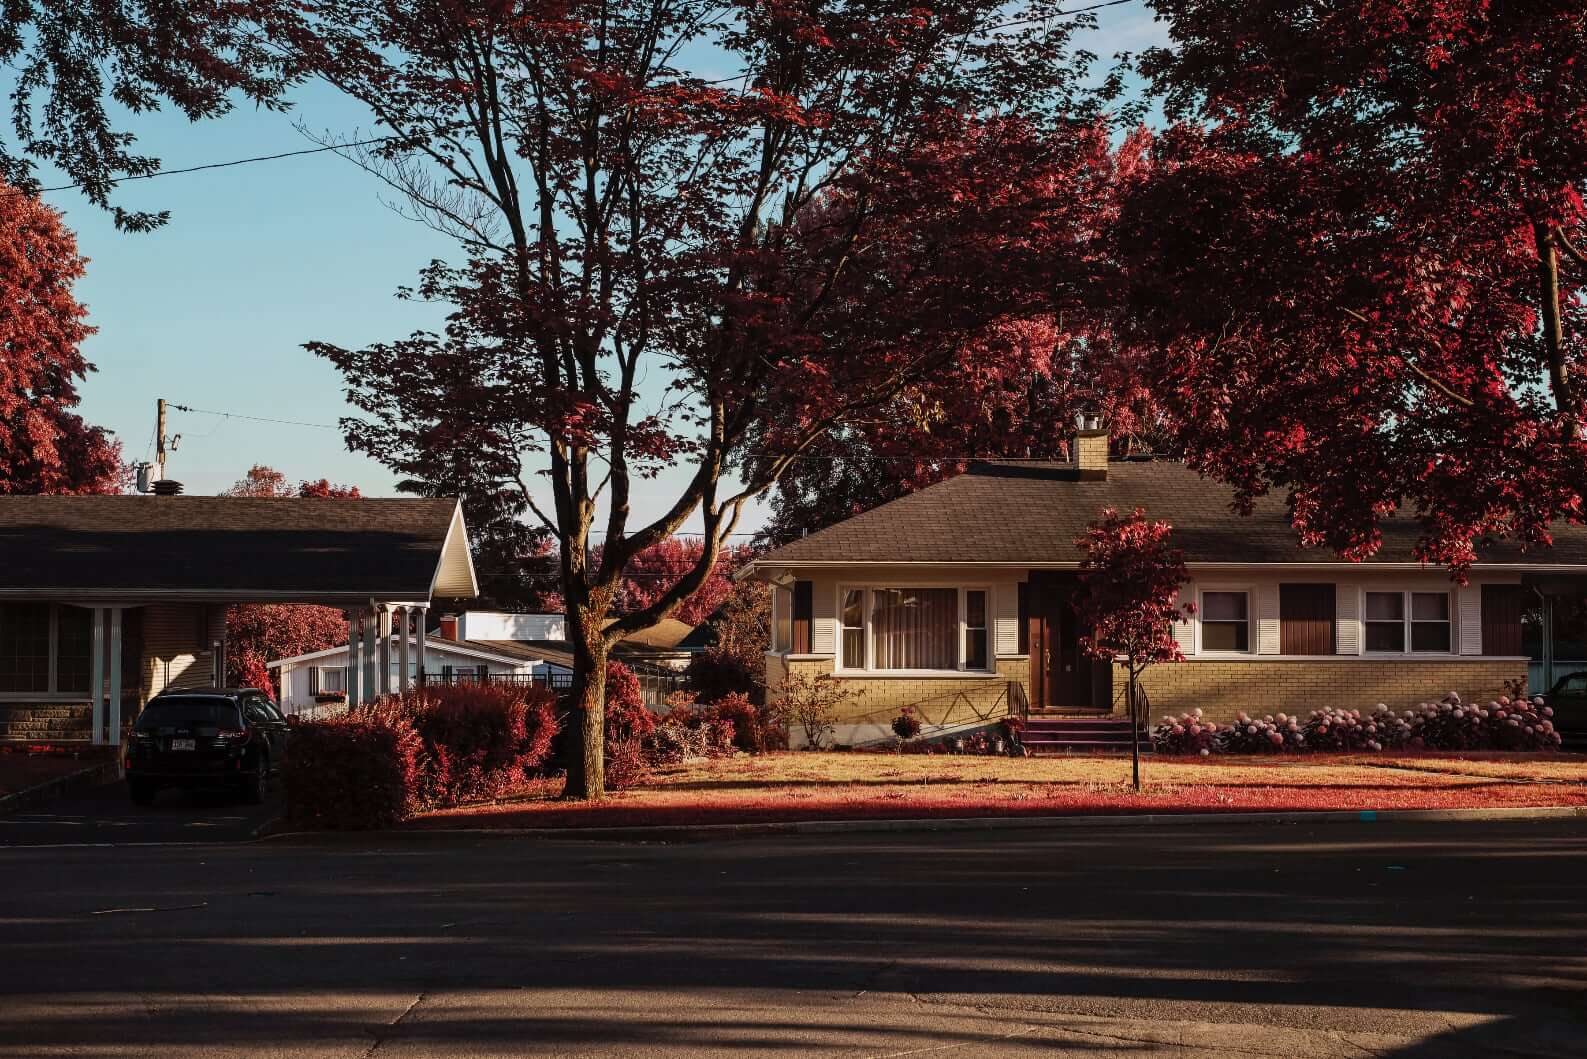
<point>906,725</point>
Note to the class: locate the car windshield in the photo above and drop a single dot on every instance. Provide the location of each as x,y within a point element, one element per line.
<point>206,712</point>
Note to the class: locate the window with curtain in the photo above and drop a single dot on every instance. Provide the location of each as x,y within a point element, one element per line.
<point>975,632</point>
<point>1225,621</point>
<point>914,629</point>
<point>25,647</point>
<point>74,650</point>
<point>852,615</point>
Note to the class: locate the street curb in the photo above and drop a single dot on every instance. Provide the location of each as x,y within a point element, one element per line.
<point>708,832</point>
<point>52,789</point>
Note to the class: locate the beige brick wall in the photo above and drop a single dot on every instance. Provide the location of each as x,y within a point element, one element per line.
<point>1222,689</point>
<point>939,702</point>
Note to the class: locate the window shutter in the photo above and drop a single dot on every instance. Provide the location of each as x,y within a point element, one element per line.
<point>1347,620</point>
<point>1023,606</point>
<point>803,605</point>
<point>314,680</point>
<point>824,638</point>
<point>1500,619</point>
<point>1267,621</point>
<point>1468,612</point>
<point>1307,615</point>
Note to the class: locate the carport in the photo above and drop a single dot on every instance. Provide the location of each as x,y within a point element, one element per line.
<point>107,600</point>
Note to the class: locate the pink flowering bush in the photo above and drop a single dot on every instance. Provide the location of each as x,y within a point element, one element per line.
<point>1270,734</point>
<point>1186,734</point>
<point>1518,724</point>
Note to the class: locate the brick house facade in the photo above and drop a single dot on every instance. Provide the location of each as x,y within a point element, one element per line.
<point>956,601</point>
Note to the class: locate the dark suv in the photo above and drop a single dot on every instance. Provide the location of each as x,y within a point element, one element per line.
<point>231,738</point>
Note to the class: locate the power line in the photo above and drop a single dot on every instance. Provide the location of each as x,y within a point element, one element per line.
<point>235,161</point>
<point>256,419</point>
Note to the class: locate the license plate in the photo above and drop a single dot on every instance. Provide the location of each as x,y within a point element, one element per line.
<point>182,744</point>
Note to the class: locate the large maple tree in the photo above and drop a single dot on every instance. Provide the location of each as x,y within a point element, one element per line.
<point>45,446</point>
<point>1370,294</point>
<point>80,71</point>
<point>684,220</point>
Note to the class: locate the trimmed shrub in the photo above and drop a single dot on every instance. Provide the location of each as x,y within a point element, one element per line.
<point>480,740</point>
<point>353,771</point>
<point>1340,731</point>
<point>749,723</point>
<point>1269,734</point>
<point>628,725</point>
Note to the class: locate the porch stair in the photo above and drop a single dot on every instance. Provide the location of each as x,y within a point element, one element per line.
<point>1058,734</point>
<point>46,724</point>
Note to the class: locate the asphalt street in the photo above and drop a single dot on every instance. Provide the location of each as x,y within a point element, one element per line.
<point>104,813</point>
<point>1391,939</point>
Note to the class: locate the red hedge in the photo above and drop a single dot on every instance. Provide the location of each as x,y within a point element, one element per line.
<point>353,772</point>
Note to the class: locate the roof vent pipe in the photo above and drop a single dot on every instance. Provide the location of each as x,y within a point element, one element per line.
<point>167,487</point>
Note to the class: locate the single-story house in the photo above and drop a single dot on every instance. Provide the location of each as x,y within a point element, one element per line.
<point>311,680</point>
<point>957,601</point>
<point>106,601</point>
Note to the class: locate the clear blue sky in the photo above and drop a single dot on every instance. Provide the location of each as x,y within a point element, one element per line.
<point>211,310</point>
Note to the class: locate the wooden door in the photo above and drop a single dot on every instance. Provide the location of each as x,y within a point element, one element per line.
<point>1062,676</point>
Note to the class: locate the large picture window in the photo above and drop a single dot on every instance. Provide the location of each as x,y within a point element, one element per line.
<point>25,647</point>
<point>888,629</point>
<point>47,649</point>
<point>1226,621</point>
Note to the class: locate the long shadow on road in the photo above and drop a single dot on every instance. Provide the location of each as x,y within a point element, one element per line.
<point>1465,937</point>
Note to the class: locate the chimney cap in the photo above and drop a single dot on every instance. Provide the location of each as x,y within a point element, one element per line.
<point>1087,422</point>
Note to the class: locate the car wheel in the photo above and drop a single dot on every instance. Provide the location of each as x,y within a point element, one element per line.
<point>142,792</point>
<point>258,785</point>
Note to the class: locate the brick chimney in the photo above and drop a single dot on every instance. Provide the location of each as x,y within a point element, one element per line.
<point>1090,447</point>
<point>449,626</point>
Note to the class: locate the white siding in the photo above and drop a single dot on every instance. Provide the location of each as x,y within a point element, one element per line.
<point>1347,622</point>
<point>1468,615</point>
<point>1267,624</point>
<point>1185,629</point>
<point>176,645</point>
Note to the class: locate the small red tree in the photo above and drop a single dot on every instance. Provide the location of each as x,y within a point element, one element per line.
<point>45,447</point>
<point>259,632</point>
<point>1130,581</point>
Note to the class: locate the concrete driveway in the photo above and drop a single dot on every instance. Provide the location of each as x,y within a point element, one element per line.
<point>1385,939</point>
<point>104,814</point>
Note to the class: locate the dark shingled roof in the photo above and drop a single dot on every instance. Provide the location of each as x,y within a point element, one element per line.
<point>300,550</point>
<point>1032,512</point>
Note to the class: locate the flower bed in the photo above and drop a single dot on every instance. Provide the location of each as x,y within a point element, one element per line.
<point>1502,724</point>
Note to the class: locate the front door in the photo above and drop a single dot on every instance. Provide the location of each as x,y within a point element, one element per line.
<point>1063,677</point>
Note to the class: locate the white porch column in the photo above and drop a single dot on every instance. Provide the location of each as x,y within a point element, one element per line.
<point>352,673</point>
<point>371,678</point>
<point>383,649</point>
<point>96,675</point>
<point>115,676</point>
<point>404,620</point>
<point>421,616</point>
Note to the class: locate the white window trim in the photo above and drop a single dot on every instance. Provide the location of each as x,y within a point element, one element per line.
<point>840,665</point>
<point>1405,592</point>
<point>1249,588</point>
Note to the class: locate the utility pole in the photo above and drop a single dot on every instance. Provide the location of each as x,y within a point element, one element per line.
<point>159,440</point>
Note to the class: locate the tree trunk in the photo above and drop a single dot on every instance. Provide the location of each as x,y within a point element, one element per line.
<point>1553,325</point>
<point>1135,731</point>
<point>587,722</point>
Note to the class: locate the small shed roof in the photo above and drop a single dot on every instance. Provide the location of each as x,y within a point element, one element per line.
<point>233,549</point>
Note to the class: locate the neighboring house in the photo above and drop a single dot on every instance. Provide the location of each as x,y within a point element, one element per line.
<point>657,655</point>
<point>319,677</point>
<point>956,600</point>
<point>106,601</point>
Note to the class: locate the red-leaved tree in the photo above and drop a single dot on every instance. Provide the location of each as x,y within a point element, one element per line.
<point>1359,261</point>
<point>661,262</point>
<point>258,633</point>
<point>45,447</point>
<point>1130,580</point>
